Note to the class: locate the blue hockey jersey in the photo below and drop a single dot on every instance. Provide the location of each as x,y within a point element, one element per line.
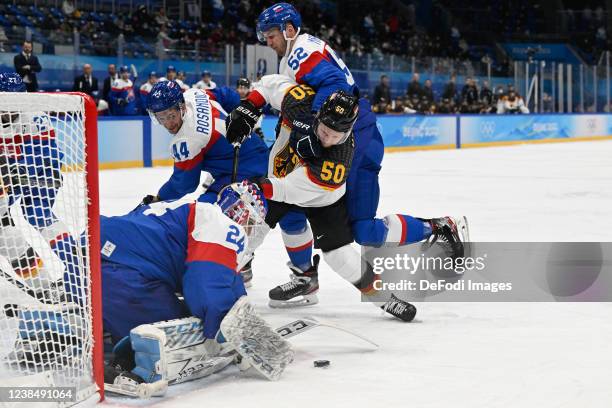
<point>191,247</point>
<point>227,97</point>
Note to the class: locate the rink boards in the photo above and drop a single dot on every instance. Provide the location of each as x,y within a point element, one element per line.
<point>136,142</point>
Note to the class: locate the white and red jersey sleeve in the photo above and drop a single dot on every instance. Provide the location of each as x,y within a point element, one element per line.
<point>271,89</point>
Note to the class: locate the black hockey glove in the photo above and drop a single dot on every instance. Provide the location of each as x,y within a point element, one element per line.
<point>240,122</point>
<point>149,199</point>
<point>303,138</point>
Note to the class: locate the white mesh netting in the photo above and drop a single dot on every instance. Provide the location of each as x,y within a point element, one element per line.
<point>45,305</point>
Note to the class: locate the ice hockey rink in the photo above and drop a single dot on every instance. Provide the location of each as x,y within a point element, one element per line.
<point>453,354</point>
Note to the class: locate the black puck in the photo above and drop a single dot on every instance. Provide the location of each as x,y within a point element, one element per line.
<point>321,363</point>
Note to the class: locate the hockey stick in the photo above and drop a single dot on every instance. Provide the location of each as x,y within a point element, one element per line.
<point>235,164</point>
<point>306,323</point>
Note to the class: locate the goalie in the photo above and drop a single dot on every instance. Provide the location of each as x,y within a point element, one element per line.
<point>192,248</point>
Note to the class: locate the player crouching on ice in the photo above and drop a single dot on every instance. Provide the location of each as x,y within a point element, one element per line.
<point>317,187</point>
<point>193,248</point>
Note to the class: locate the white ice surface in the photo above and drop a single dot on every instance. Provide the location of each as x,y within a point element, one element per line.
<point>457,354</point>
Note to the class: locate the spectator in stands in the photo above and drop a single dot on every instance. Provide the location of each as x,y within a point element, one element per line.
<point>450,89</point>
<point>3,38</point>
<point>414,87</point>
<point>122,96</point>
<point>27,65</point>
<point>427,92</point>
<point>108,82</point>
<point>486,95</point>
<point>469,97</point>
<point>382,92</point>
<point>145,89</point>
<point>161,19</point>
<point>206,82</point>
<point>86,83</point>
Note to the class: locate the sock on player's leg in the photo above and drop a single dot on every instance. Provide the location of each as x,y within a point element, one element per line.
<point>299,247</point>
<point>404,229</point>
<point>397,229</point>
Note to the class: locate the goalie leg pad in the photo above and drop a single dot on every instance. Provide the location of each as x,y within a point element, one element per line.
<point>175,351</point>
<point>260,345</point>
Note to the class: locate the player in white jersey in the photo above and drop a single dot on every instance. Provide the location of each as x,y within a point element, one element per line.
<point>122,96</point>
<point>206,82</point>
<point>145,90</point>
<point>171,75</point>
<point>197,125</point>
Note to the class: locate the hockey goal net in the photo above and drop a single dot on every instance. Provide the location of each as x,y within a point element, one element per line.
<point>50,298</point>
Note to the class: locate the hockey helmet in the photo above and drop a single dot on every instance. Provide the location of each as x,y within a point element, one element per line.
<point>163,96</point>
<point>243,82</point>
<point>339,112</point>
<point>277,16</point>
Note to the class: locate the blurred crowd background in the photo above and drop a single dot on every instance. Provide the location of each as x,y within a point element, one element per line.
<point>408,56</point>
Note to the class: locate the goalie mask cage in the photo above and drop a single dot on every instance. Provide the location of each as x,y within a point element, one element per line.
<point>50,290</point>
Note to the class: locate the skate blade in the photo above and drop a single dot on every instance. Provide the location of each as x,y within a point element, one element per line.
<point>307,300</point>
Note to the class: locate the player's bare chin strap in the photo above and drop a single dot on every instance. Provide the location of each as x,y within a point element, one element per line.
<point>346,262</point>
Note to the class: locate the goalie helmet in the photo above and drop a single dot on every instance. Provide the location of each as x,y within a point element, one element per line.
<point>245,204</point>
<point>11,82</point>
<point>277,16</point>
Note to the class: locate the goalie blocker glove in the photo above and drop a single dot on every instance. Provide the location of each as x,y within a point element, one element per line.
<point>240,123</point>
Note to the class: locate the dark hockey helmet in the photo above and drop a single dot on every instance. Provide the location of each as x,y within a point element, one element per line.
<point>243,82</point>
<point>339,112</point>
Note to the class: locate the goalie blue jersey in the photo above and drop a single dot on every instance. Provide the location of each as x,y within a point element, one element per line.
<point>190,248</point>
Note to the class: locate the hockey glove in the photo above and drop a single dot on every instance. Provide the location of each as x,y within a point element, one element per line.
<point>303,138</point>
<point>149,199</point>
<point>240,122</point>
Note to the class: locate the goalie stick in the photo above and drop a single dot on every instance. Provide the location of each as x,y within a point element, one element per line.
<point>306,323</point>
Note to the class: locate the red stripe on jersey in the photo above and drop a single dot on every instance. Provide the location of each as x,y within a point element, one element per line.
<point>191,163</point>
<point>207,251</point>
<point>318,182</point>
<point>214,137</point>
<point>257,99</point>
<point>144,92</point>
<point>308,65</point>
<point>299,248</point>
<point>121,89</point>
<point>210,95</point>
<point>404,228</point>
